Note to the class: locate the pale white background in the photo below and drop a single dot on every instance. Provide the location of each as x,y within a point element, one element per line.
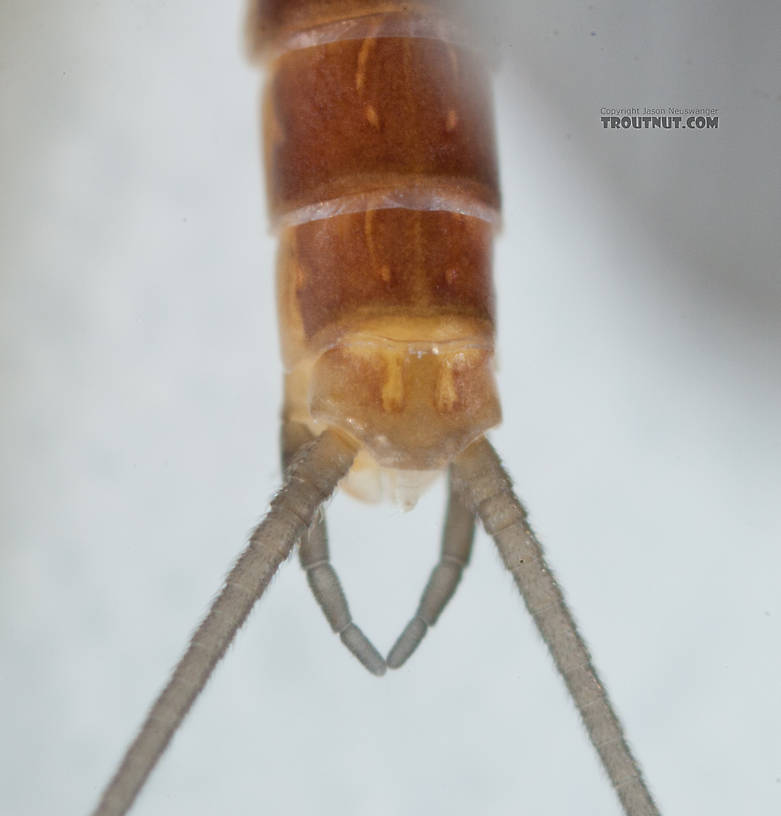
<point>640,327</point>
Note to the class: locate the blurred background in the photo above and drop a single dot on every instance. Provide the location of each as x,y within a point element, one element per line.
<point>640,331</point>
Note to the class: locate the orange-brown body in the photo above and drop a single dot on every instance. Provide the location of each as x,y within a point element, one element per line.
<point>380,155</point>
<point>381,168</point>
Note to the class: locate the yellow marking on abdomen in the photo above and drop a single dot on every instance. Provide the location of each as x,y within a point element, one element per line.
<point>372,118</point>
<point>363,57</point>
<point>383,270</point>
<point>445,392</point>
<point>393,388</point>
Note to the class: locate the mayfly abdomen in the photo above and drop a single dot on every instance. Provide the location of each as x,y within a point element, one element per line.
<point>381,169</point>
<point>382,181</point>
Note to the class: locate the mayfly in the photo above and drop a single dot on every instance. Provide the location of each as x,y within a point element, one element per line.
<point>382,183</point>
